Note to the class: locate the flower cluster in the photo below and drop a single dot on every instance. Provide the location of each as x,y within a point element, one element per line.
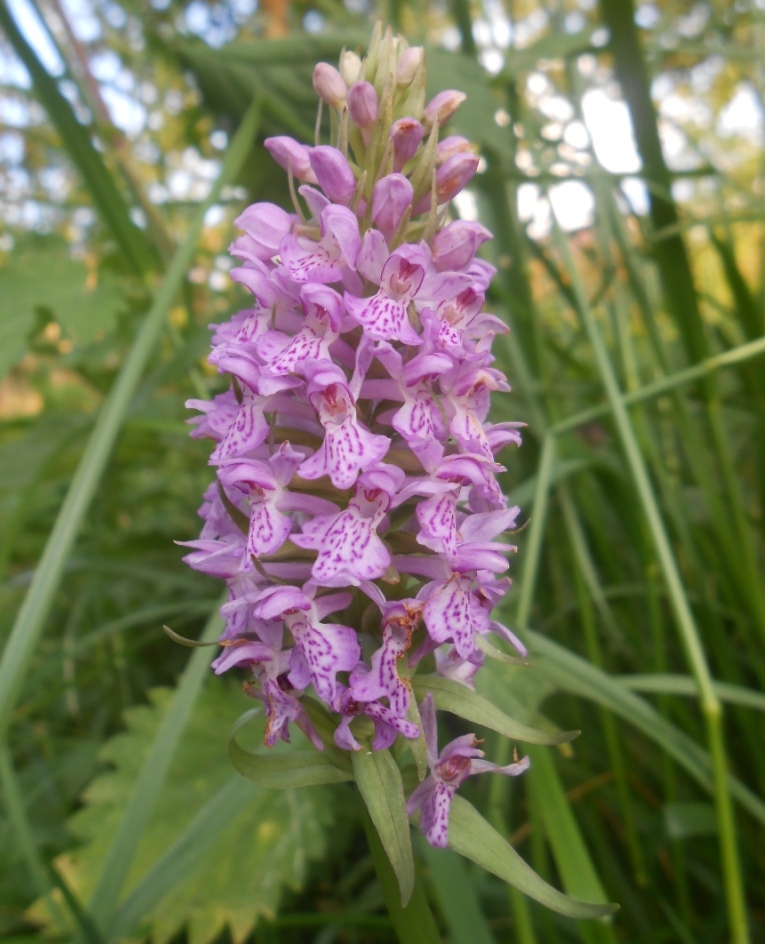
<point>356,472</point>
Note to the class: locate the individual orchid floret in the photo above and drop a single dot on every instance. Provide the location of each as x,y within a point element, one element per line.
<point>347,447</point>
<point>349,548</point>
<point>391,199</point>
<point>459,760</point>
<point>385,316</point>
<point>264,225</point>
<point>326,260</point>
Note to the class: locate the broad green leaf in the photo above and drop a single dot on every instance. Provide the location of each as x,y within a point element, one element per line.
<point>82,303</point>
<point>474,838</point>
<point>227,868</point>
<point>460,700</point>
<point>379,781</point>
<point>285,769</point>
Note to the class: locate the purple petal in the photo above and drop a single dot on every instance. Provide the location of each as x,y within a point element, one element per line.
<point>265,225</point>
<point>335,177</point>
<point>390,199</point>
<point>384,318</point>
<point>452,613</point>
<point>434,819</point>
<point>292,156</point>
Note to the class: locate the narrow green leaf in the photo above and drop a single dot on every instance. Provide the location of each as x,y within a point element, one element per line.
<point>457,895</point>
<point>577,872</point>
<point>379,781</point>
<point>460,700</point>
<point>474,838</point>
<point>666,684</point>
<point>183,856</point>
<point>80,148</point>
<point>571,673</point>
<point>682,820</point>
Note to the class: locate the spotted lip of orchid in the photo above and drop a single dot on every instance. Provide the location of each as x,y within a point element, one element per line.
<point>355,514</point>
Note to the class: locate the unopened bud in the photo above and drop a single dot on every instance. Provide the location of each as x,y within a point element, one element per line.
<point>335,177</point>
<point>442,107</point>
<point>406,134</point>
<point>455,245</point>
<point>451,177</point>
<point>292,156</point>
<point>329,85</point>
<point>390,199</point>
<point>451,146</point>
<point>350,67</point>
<point>362,104</point>
<point>408,63</point>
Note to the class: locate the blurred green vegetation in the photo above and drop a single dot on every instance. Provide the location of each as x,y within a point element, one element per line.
<point>130,136</point>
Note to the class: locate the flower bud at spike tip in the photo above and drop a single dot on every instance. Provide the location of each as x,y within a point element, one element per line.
<point>408,63</point>
<point>451,177</point>
<point>355,512</point>
<point>442,107</point>
<point>292,156</point>
<point>362,104</point>
<point>329,85</point>
<point>451,146</point>
<point>350,67</point>
<point>406,135</point>
<point>334,175</point>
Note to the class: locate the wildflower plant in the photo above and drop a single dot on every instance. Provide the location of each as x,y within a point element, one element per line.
<point>355,513</point>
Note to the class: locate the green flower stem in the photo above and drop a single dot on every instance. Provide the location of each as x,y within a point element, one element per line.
<point>414,924</point>
<point>710,704</point>
<point>38,602</point>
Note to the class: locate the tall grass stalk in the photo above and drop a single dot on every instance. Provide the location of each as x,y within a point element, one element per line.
<point>30,622</point>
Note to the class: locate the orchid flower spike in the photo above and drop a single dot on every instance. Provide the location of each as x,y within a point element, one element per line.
<point>355,514</point>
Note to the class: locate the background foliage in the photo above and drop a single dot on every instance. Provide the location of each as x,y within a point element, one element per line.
<point>130,136</point>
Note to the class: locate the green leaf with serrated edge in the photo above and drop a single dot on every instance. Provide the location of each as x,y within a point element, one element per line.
<point>460,700</point>
<point>379,781</point>
<point>477,840</point>
<point>282,771</point>
<point>246,860</point>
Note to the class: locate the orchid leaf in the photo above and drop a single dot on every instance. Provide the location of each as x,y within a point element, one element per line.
<point>460,700</point>
<point>477,840</point>
<point>379,781</point>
